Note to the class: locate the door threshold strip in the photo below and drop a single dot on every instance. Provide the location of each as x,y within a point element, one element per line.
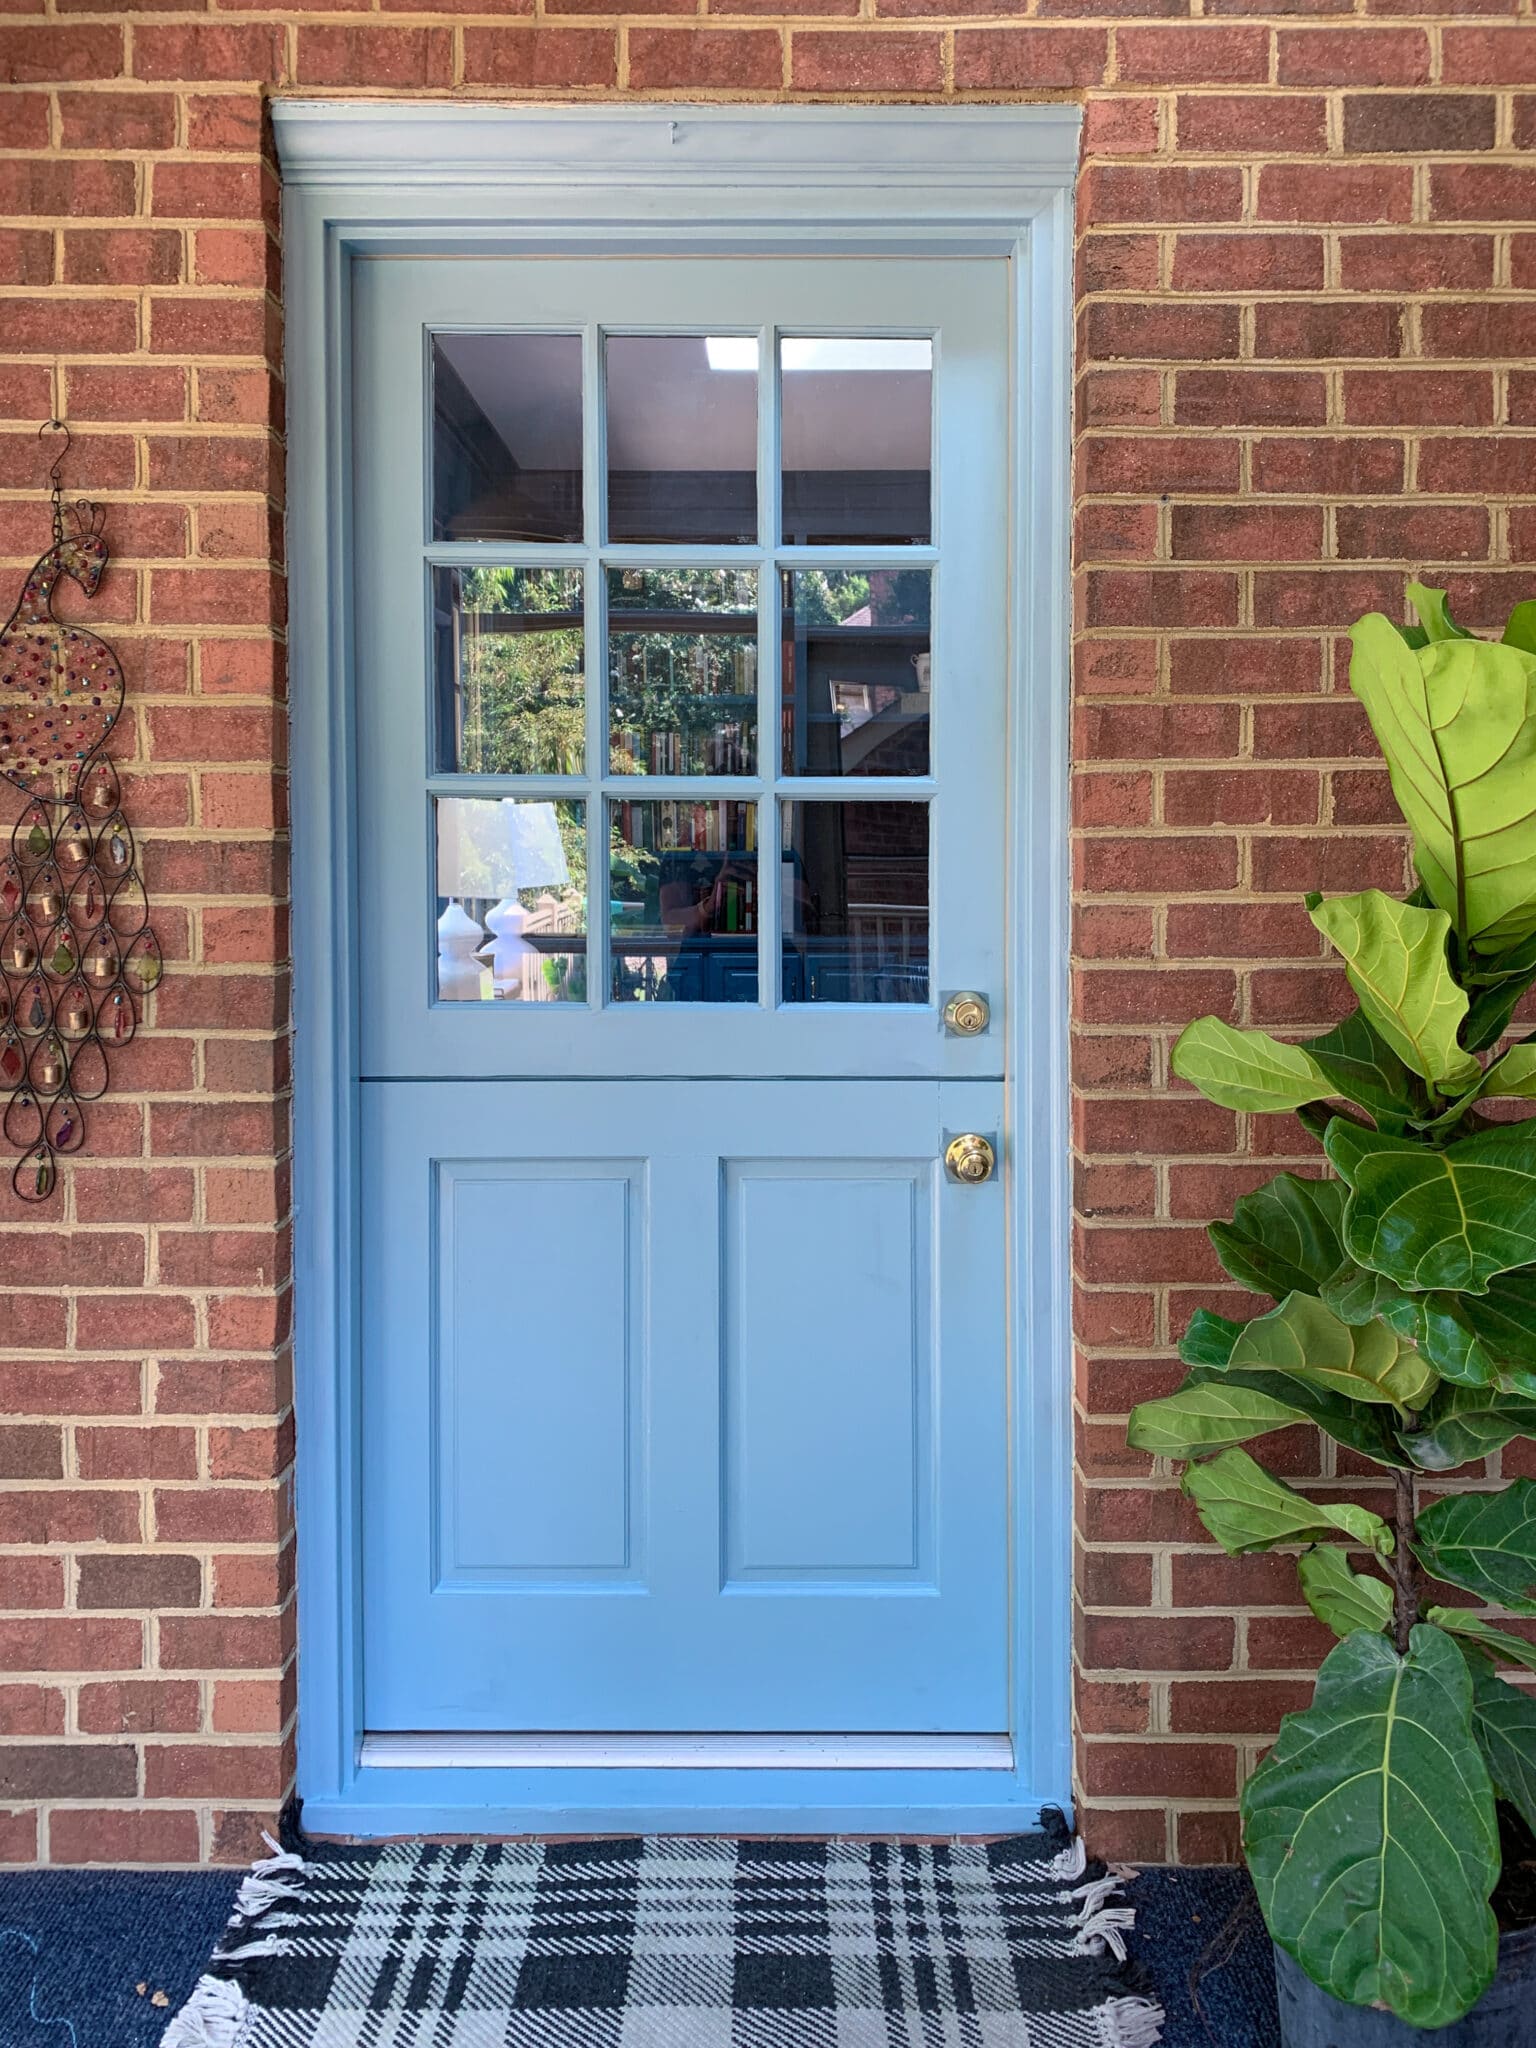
<point>417,1750</point>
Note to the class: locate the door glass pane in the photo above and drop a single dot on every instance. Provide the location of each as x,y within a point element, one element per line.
<point>683,884</point>
<point>682,438</point>
<point>854,883</point>
<point>511,900</point>
<point>856,672</point>
<point>856,439</point>
<point>682,671</point>
<point>506,437</point>
<point>511,698</point>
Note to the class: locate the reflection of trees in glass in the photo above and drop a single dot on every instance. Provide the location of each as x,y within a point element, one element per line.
<point>682,702</point>
<point>521,694</point>
<point>825,597</point>
<point>887,597</point>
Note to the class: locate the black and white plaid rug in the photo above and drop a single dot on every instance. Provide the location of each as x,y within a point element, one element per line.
<point>669,1942</point>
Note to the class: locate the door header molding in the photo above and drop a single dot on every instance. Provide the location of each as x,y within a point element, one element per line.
<point>370,145</point>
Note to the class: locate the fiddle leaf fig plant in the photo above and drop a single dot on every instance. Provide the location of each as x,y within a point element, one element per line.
<point>1404,1326</point>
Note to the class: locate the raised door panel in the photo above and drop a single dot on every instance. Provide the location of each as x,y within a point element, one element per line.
<point>828,1370</point>
<point>538,1372</point>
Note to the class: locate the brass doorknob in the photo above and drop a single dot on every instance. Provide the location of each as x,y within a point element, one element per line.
<point>970,1158</point>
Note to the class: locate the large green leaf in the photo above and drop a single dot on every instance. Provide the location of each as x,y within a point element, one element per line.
<point>1504,1722</point>
<point>1485,1542</point>
<point>1247,1069</point>
<point>1305,1339</point>
<point>1356,1294</point>
<point>1521,630</point>
<point>1208,1339</point>
<point>1284,1236</point>
<point>1363,1067</point>
<point>1499,1642</point>
<point>1436,1324</point>
<point>1371,1836</point>
<point>1495,987</point>
<point>1448,1219</point>
<point>1505,1321</point>
<point>1342,1599</point>
<point>1514,1073</point>
<point>1483,1341</point>
<point>1245,1509</point>
<point>1455,721</point>
<point>1361,1427</point>
<point>1348,1145</point>
<point>1395,958</point>
<point>1461,1424</point>
<point>1512,1076</point>
<point>1433,615</point>
<point>1206,1415</point>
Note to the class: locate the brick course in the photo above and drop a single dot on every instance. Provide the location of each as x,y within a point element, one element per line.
<point>1306,368</point>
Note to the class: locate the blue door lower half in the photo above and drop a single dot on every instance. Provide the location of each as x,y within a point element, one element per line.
<point>684,1408</point>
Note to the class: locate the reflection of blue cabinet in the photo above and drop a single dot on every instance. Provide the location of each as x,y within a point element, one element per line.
<point>836,971</point>
<point>713,970</point>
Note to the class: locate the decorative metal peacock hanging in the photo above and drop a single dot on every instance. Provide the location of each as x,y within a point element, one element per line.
<point>76,951</point>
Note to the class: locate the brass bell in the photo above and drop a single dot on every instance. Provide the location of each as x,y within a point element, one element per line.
<point>50,1067</point>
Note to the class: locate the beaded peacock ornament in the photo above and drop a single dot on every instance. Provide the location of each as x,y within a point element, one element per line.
<point>77,955</point>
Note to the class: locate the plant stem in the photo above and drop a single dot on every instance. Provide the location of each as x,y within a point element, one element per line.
<point>1405,1578</point>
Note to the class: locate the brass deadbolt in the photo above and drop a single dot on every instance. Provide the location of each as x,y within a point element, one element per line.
<point>967,1014</point>
<point>970,1157</point>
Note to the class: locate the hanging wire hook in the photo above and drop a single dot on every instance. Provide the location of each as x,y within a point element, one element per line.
<point>56,475</point>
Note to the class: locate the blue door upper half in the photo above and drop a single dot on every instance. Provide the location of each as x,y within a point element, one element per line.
<point>680,627</point>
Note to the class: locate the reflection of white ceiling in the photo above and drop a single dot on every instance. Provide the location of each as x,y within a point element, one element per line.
<point>667,410</point>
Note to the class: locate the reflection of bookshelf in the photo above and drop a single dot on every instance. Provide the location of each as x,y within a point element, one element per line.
<point>684,701</point>
<point>677,825</point>
<point>708,747</point>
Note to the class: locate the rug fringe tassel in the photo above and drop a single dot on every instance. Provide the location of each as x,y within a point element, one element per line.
<point>214,2016</point>
<point>265,1886</point>
<point>1103,1921</point>
<point>1132,2023</point>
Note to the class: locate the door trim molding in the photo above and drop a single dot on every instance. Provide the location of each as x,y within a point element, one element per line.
<point>404,147</point>
<point>375,178</point>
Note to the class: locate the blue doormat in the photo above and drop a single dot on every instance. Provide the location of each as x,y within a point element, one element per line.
<point>76,1946</point>
<point>672,1942</point>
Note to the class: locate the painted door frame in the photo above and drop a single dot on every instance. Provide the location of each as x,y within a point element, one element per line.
<point>368,178</point>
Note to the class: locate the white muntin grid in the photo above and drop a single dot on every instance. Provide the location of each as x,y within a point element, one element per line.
<point>768,559</point>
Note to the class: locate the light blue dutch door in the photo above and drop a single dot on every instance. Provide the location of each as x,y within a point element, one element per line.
<point>681,663</point>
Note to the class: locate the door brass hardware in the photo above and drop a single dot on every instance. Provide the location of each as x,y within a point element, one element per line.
<point>970,1158</point>
<point>967,1014</point>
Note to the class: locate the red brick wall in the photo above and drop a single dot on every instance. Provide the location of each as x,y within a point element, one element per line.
<point>1307,365</point>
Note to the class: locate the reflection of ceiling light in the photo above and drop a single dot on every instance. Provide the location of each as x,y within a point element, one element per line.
<point>731,351</point>
<point>822,352</point>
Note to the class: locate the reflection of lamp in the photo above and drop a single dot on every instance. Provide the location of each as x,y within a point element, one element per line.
<point>473,859</point>
<point>535,859</point>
